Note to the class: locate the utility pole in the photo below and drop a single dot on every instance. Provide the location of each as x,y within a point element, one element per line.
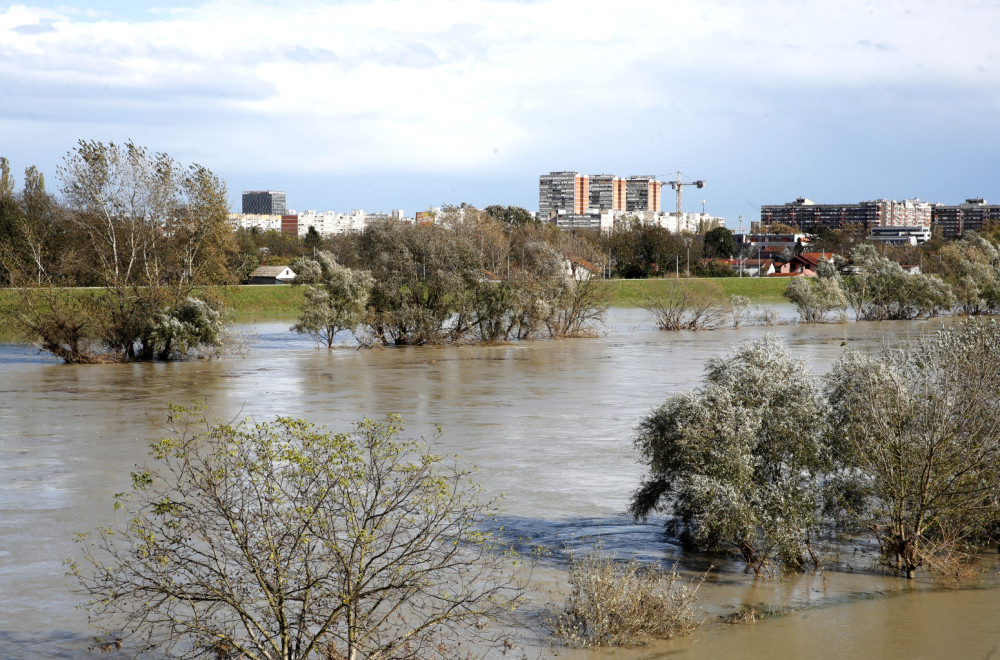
<point>742,246</point>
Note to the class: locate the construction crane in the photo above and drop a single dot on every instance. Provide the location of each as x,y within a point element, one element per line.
<point>677,186</point>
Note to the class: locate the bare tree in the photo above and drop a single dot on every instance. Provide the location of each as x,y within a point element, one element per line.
<point>283,541</point>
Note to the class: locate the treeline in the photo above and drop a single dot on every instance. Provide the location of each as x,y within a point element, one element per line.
<point>966,280</point>
<point>150,238</point>
<point>900,447</point>
<point>467,278</point>
<point>137,226</point>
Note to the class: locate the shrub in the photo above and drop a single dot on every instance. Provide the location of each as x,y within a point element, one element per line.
<point>615,603</point>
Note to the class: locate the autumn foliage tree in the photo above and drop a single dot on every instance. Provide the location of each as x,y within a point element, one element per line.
<point>148,232</point>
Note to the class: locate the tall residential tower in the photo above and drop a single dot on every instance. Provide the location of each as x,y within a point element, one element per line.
<point>264,202</point>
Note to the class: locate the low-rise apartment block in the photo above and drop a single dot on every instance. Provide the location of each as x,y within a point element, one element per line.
<point>806,214</point>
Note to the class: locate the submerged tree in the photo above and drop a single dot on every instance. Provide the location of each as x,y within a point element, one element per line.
<point>738,463</point>
<point>815,298</point>
<point>336,302</point>
<point>283,541</point>
<point>879,289</point>
<point>916,435</point>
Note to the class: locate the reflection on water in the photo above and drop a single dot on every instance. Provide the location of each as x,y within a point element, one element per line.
<point>547,423</point>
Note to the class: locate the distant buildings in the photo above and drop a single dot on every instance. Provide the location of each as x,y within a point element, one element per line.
<point>607,192</point>
<point>914,235</point>
<point>889,221</point>
<point>264,202</point>
<point>327,223</point>
<point>642,193</point>
<point>566,192</point>
<point>808,215</point>
<point>974,214</point>
<point>571,200</point>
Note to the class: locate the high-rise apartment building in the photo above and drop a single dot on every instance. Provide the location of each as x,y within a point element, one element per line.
<point>806,214</point>
<point>264,202</point>
<point>642,193</point>
<point>562,191</point>
<point>607,192</point>
<point>974,214</point>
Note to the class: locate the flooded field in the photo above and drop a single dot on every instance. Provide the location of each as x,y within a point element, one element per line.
<point>547,423</point>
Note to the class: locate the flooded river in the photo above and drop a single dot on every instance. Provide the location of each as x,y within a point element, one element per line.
<point>547,423</point>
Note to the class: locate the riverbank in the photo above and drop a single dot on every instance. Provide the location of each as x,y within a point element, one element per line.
<point>285,300</point>
<point>630,293</point>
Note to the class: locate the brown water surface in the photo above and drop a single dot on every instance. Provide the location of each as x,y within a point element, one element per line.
<point>548,424</point>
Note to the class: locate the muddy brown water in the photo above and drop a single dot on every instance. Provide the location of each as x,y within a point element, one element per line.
<point>547,423</point>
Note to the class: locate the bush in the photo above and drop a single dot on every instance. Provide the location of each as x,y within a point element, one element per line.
<point>679,307</point>
<point>622,603</point>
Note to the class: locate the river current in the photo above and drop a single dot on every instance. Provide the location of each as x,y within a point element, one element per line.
<point>549,426</point>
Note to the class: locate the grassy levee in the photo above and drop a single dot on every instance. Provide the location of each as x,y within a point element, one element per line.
<point>261,300</point>
<point>285,300</point>
<point>630,293</point>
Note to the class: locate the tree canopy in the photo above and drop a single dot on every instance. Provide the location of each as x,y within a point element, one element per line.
<point>281,540</point>
<point>901,446</point>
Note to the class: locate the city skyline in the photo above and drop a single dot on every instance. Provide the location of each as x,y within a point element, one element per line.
<point>382,104</point>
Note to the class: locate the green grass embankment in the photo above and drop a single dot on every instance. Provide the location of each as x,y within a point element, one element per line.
<point>263,300</point>
<point>630,293</point>
<point>285,300</point>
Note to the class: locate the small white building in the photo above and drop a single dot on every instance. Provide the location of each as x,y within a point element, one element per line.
<point>272,275</point>
<point>900,235</point>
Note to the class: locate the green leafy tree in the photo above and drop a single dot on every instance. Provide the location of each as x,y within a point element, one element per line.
<point>337,302</point>
<point>283,541</point>
<point>719,243</point>
<point>312,239</point>
<point>514,216</point>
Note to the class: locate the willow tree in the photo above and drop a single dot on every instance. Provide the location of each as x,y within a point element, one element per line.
<point>916,435</point>
<point>282,540</point>
<point>738,464</point>
<point>147,231</point>
<point>336,301</point>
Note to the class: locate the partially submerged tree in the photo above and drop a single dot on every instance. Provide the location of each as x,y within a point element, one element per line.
<point>149,231</point>
<point>815,298</point>
<point>879,289</point>
<point>916,435</point>
<point>283,541</point>
<point>738,463</point>
<point>336,303</point>
<point>621,603</point>
<point>682,306</point>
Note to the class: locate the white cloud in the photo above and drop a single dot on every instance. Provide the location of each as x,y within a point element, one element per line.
<point>447,85</point>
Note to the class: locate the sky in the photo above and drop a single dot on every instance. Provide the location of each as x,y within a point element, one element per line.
<point>382,104</point>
